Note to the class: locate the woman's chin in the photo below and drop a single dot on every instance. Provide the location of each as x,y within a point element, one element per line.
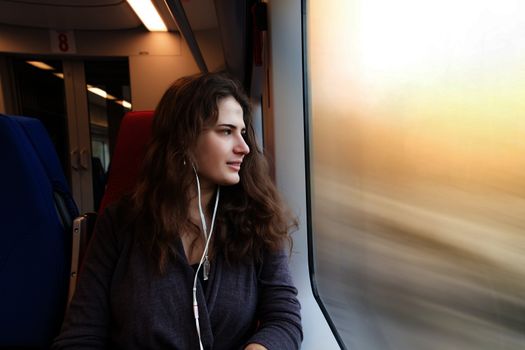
<point>231,180</point>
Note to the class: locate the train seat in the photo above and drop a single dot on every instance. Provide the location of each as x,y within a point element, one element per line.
<point>36,208</point>
<point>133,137</point>
<point>42,145</point>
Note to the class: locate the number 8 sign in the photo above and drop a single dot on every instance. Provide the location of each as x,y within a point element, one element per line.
<point>62,41</point>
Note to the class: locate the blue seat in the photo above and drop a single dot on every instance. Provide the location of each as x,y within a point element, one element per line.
<point>45,150</point>
<point>36,209</point>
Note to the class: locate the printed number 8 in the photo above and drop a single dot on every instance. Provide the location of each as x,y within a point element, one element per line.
<point>62,42</point>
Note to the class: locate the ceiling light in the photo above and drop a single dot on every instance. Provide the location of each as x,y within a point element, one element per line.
<point>124,104</point>
<point>97,91</point>
<point>40,65</point>
<point>148,15</point>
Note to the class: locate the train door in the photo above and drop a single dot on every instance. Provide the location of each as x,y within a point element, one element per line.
<point>81,103</point>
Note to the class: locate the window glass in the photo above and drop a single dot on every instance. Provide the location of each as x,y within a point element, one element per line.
<point>418,171</point>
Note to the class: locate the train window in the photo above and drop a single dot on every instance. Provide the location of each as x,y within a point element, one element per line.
<point>416,125</point>
<point>39,93</point>
<point>108,87</point>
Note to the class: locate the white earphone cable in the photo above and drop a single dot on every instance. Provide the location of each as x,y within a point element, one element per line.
<point>204,257</point>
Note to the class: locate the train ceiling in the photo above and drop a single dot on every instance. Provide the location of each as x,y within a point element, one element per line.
<point>97,14</point>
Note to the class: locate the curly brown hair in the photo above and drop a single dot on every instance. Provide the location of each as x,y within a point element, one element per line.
<point>251,217</point>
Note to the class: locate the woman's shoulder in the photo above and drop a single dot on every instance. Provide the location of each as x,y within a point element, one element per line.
<point>119,208</point>
<point>118,215</point>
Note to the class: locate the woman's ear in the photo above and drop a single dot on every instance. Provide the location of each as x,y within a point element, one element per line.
<point>189,158</point>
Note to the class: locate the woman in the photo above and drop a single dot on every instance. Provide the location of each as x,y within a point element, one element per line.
<point>195,257</point>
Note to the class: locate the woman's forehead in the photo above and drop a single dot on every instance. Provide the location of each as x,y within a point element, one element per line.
<point>230,112</point>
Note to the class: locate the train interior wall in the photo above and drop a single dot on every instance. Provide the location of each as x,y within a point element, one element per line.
<point>155,59</point>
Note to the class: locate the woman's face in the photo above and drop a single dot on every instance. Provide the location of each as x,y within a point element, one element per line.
<point>220,148</point>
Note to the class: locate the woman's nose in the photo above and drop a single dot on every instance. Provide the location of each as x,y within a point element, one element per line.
<point>241,147</point>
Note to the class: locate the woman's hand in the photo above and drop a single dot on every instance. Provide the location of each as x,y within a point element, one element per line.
<point>254,346</point>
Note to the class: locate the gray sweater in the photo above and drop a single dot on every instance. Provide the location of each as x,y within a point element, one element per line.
<point>121,304</point>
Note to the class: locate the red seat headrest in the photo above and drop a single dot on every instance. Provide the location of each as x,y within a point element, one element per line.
<point>133,137</point>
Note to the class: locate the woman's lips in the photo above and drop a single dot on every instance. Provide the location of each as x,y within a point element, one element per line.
<point>235,165</point>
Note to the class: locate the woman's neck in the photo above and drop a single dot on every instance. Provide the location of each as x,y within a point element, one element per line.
<point>207,193</point>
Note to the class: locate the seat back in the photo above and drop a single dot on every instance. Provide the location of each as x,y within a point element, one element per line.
<point>35,213</point>
<point>43,147</point>
<point>133,137</point>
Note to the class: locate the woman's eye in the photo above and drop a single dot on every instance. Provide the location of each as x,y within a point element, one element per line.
<point>226,132</point>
